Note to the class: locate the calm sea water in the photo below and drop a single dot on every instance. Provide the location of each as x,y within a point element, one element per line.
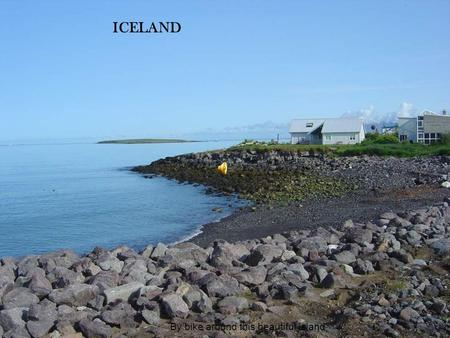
<point>79,196</point>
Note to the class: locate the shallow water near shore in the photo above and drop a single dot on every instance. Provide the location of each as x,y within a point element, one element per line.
<point>83,195</point>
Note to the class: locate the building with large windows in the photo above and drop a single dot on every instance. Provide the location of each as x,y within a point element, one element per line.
<point>426,128</point>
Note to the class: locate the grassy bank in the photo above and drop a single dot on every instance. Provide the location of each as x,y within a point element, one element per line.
<point>145,141</point>
<point>369,147</point>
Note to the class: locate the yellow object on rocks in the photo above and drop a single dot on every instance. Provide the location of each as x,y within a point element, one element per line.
<point>223,168</point>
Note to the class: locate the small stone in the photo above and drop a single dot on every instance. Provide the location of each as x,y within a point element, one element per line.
<point>438,306</point>
<point>383,302</point>
<point>408,313</point>
<point>328,293</point>
<point>259,306</point>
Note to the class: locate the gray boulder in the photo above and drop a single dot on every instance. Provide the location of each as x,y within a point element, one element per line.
<point>122,292</point>
<point>289,293</point>
<point>312,243</point>
<point>441,246</point>
<point>222,255</point>
<point>12,318</point>
<point>388,215</point>
<point>345,257</point>
<point>264,254</point>
<point>135,270</point>
<point>74,295</point>
<point>94,329</point>
<point>146,253</point>
<point>64,258</point>
<point>159,251</point>
<point>41,318</point>
<point>107,261</point>
<point>363,267</point>
<point>7,274</point>
<point>232,305</point>
<point>27,264</point>
<point>104,279</point>
<point>299,270</point>
<point>328,282</point>
<point>151,317</point>
<point>252,276</point>
<point>359,235</point>
<point>19,297</point>
<point>219,286</point>
<point>122,315</point>
<point>408,313</point>
<point>174,305</point>
<point>61,277</point>
<point>259,306</point>
<point>17,332</point>
<point>39,285</point>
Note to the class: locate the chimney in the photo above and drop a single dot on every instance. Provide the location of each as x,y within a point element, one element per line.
<point>444,112</point>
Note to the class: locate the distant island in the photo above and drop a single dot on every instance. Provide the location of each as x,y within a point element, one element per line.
<point>145,140</point>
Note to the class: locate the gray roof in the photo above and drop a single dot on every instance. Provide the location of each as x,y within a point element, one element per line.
<point>300,125</point>
<point>331,125</point>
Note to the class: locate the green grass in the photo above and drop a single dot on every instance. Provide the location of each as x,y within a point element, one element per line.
<point>261,148</point>
<point>144,141</point>
<point>366,148</point>
<point>395,285</point>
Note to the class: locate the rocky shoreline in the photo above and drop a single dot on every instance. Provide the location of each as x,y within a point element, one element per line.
<point>312,272</point>
<point>278,177</point>
<point>386,277</point>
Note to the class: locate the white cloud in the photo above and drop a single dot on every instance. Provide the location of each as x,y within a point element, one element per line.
<point>372,117</point>
<point>406,110</point>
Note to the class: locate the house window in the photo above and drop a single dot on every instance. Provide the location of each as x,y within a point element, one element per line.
<point>427,135</point>
<point>309,125</point>
<point>433,135</point>
<point>328,137</point>
<point>420,135</point>
<point>420,123</point>
<point>403,137</point>
<point>352,138</point>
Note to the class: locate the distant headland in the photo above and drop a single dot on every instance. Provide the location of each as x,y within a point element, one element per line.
<point>145,140</point>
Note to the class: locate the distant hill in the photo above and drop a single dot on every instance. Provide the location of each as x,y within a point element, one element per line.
<point>145,140</point>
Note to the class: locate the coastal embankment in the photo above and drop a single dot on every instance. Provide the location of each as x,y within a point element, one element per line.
<point>305,189</point>
<point>383,277</point>
<point>287,176</point>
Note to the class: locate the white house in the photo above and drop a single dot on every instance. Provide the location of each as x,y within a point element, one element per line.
<point>327,131</point>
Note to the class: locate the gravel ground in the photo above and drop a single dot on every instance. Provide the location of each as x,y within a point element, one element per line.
<point>264,221</point>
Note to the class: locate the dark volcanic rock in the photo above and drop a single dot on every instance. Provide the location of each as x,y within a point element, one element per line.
<point>95,329</point>
<point>74,295</point>
<point>174,306</point>
<point>19,297</point>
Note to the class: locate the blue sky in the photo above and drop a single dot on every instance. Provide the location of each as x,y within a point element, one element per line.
<point>65,74</point>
